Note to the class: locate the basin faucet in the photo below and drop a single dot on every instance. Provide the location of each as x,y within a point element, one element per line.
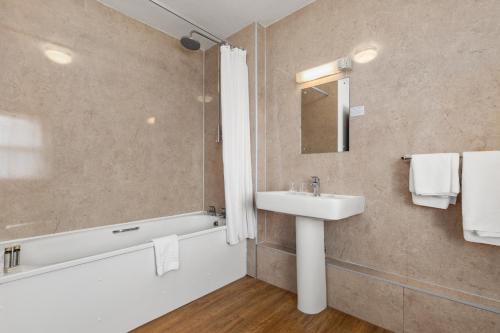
<point>315,185</point>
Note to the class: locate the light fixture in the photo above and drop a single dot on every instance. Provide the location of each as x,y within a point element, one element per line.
<point>151,120</point>
<point>57,54</point>
<point>328,69</point>
<point>366,55</point>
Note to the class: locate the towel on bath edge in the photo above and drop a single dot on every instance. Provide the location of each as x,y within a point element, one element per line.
<point>166,254</point>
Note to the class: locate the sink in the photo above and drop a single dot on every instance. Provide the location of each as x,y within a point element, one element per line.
<point>324,207</point>
<point>310,213</point>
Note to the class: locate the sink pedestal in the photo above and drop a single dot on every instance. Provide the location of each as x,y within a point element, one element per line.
<point>310,234</point>
<point>311,270</point>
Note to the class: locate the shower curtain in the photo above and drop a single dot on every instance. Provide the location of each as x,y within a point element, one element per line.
<point>236,156</point>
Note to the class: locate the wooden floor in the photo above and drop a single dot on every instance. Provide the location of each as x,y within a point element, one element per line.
<point>250,305</point>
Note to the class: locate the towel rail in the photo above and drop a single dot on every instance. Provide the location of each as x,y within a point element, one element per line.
<point>119,231</point>
<point>408,157</point>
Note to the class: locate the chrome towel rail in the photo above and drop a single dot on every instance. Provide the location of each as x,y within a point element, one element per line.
<point>125,230</point>
<point>408,157</point>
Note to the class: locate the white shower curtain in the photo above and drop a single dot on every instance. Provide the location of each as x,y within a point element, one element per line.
<point>240,214</point>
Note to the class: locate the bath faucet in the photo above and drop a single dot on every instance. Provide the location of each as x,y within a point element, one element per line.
<point>212,211</point>
<point>315,185</point>
<point>222,213</point>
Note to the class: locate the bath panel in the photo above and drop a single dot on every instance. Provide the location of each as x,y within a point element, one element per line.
<point>115,290</point>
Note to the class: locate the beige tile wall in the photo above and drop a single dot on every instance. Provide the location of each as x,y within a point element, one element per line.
<point>97,161</point>
<point>364,297</point>
<point>426,313</point>
<point>434,87</point>
<point>387,300</point>
<point>277,266</point>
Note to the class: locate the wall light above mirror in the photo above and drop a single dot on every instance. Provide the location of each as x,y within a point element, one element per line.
<point>328,69</point>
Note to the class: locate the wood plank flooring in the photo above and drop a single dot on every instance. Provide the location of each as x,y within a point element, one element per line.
<point>250,305</point>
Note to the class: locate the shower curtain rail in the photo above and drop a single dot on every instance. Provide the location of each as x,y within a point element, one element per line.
<point>212,38</point>
<point>158,4</point>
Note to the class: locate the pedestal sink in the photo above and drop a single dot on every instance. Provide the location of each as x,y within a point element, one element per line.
<point>311,212</point>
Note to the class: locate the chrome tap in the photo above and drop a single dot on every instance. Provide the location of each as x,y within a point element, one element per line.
<point>222,213</point>
<point>212,211</point>
<point>315,185</point>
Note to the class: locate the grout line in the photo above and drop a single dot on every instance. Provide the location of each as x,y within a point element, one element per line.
<point>265,126</point>
<point>404,309</point>
<point>203,138</point>
<point>256,134</point>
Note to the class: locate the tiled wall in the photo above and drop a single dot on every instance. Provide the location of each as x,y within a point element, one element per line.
<point>85,151</point>
<point>392,301</point>
<point>214,176</point>
<point>433,88</point>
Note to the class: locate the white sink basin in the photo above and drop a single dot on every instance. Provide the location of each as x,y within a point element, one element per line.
<point>324,207</point>
<point>310,212</point>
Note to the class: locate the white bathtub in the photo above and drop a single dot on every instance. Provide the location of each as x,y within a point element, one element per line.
<point>96,281</point>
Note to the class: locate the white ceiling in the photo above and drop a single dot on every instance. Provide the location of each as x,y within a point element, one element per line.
<point>221,17</point>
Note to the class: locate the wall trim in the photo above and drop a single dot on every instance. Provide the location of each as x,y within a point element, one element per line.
<point>458,296</point>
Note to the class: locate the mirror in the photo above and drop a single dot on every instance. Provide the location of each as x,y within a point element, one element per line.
<point>325,117</point>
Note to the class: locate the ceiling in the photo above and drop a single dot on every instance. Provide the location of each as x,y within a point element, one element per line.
<point>221,17</point>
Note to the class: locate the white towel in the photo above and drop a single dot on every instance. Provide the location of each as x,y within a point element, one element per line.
<point>166,254</point>
<point>481,197</point>
<point>434,180</point>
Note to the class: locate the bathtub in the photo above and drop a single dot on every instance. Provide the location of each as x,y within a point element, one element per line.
<point>94,280</point>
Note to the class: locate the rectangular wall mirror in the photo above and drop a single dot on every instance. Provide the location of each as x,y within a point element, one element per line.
<point>325,117</point>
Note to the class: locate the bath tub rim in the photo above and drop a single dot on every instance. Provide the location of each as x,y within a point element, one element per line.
<point>14,276</point>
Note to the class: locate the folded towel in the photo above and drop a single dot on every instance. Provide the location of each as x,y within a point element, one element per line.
<point>481,197</point>
<point>434,180</point>
<point>166,254</point>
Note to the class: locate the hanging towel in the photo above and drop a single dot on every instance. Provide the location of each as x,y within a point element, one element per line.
<point>481,197</point>
<point>166,254</point>
<point>434,179</point>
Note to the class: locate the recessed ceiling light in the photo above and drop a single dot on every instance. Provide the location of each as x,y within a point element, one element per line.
<point>366,55</point>
<point>151,120</point>
<point>328,69</point>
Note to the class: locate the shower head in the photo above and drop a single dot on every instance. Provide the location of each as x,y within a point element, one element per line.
<point>193,44</point>
<point>190,43</point>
